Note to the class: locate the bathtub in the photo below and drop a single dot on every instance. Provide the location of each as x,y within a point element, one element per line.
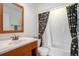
<point>58,52</point>
<point>43,51</point>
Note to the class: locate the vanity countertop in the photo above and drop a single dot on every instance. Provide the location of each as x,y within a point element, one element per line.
<point>9,45</point>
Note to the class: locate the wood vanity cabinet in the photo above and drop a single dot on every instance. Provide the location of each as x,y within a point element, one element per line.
<point>26,50</point>
<point>1,17</point>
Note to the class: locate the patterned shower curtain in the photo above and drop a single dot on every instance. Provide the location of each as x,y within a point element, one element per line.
<point>72,19</point>
<point>43,19</point>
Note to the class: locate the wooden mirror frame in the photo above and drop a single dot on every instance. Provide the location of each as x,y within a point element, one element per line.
<point>1,19</point>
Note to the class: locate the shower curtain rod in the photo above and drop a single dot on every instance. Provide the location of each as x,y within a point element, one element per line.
<point>50,9</point>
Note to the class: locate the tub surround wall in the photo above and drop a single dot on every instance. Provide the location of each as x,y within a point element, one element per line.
<point>61,37</point>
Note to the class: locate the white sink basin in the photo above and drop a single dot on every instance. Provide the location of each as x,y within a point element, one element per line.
<point>22,40</point>
<point>16,42</point>
<point>5,43</point>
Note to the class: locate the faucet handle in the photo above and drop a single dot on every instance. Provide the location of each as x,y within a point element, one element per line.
<point>15,37</point>
<point>12,37</point>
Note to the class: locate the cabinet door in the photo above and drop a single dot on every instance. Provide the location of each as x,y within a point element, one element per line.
<point>1,17</point>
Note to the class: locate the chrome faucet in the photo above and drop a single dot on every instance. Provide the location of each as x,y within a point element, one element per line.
<point>15,37</point>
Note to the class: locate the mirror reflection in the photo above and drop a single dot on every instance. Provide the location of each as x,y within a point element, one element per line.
<point>12,17</point>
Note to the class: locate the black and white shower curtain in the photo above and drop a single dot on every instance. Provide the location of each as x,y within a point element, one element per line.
<point>72,19</point>
<point>43,19</point>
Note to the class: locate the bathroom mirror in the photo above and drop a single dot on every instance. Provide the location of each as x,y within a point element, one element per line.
<point>12,18</point>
